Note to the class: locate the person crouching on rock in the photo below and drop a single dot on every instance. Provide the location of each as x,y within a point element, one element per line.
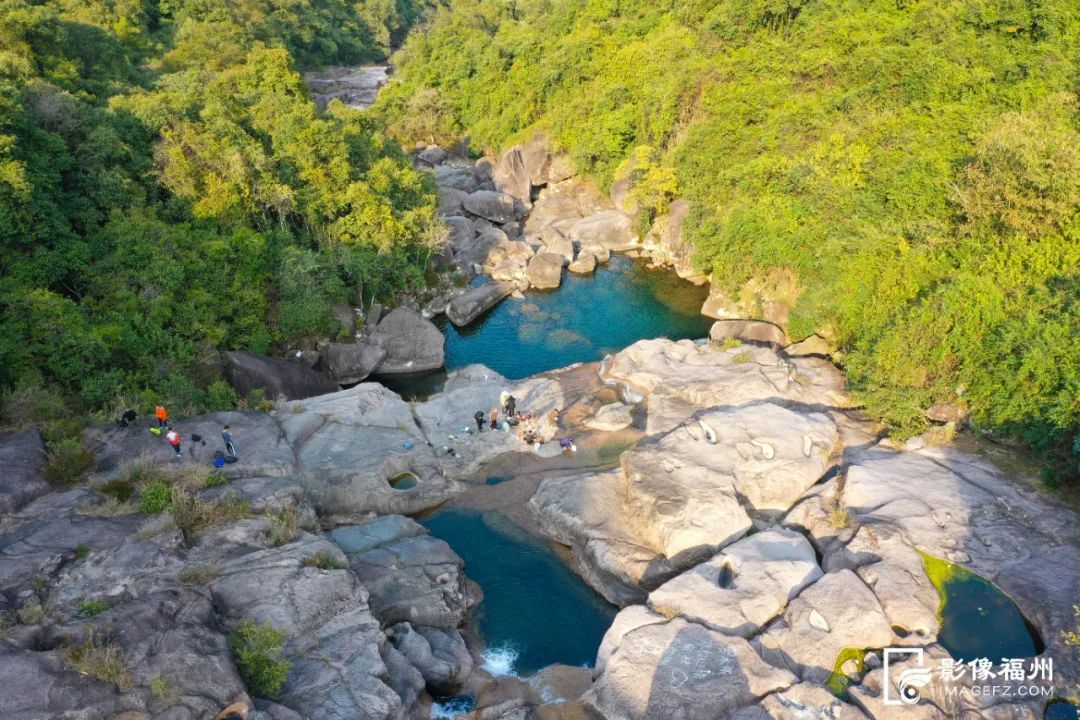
<point>479,417</point>
<point>174,439</point>
<point>567,444</point>
<point>494,418</point>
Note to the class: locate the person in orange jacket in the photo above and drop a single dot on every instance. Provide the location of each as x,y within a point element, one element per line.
<point>162,416</point>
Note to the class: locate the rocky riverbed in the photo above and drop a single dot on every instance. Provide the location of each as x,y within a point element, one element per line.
<point>754,530</point>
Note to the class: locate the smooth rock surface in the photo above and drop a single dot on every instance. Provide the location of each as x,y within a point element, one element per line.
<point>678,669</point>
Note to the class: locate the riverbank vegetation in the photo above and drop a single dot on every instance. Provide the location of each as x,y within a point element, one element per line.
<point>915,164</point>
<point>168,189</point>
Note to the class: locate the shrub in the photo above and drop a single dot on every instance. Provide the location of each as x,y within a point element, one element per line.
<point>323,560</point>
<point>193,515</point>
<point>257,652</point>
<point>90,608</point>
<point>220,396</point>
<point>32,406</point>
<point>282,526</point>
<point>81,552</point>
<point>98,657</point>
<point>119,489</point>
<point>155,498</point>
<point>68,460</point>
<point>198,574</point>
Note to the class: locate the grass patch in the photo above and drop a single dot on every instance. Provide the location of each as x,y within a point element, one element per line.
<point>215,479</point>
<point>90,608</point>
<point>730,342</point>
<point>282,526</point>
<point>257,652</point>
<point>839,516</point>
<point>99,658</point>
<point>199,574</point>
<point>324,561</point>
<point>742,358</point>
<point>193,515</point>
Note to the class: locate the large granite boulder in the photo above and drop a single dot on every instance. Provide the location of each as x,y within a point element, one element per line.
<point>666,242</point>
<point>494,206</point>
<point>741,589</point>
<point>512,176</point>
<point>332,640</point>
<point>837,612</point>
<point>475,252</point>
<point>607,231</point>
<point>276,377</point>
<point>756,331</point>
<point>685,489</point>
<point>22,457</point>
<point>350,363</point>
<point>584,265</point>
<point>676,669</point>
<point>470,305</point>
<point>351,444</point>
<point>411,343</point>
<point>545,270</point>
<point>410,576</point>
<point>440,655</point>
<point>432,155</point>
<point>588,514</point>
<point>262,449</point>
<point>679,378</point>
<point>43,537</point>
<point>459,177</point>
<point>452,201</point>
<point>462,230</point>
<point>959,507</point>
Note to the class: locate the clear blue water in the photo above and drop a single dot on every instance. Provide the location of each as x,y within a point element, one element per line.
<point>1061,710</point>
<point>583,320</point>
<point>536,611</point>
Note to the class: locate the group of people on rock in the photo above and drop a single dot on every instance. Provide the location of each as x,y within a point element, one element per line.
<point>525,425</point>
<point>162,426</point>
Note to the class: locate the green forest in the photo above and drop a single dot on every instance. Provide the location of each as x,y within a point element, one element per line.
<point>914,163</point>
<point>169,189</point>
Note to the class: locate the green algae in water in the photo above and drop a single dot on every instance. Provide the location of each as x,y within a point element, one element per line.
<point>977,619</point>
<point>838,682</point>
<point>534,606</point>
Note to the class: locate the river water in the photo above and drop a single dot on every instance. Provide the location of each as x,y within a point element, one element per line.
<point>583,320</point>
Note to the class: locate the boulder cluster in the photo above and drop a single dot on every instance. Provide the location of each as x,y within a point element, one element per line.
<point>523,217</point>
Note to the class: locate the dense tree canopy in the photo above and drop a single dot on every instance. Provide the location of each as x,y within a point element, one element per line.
<point>169,189</point>
<point>915,165</point>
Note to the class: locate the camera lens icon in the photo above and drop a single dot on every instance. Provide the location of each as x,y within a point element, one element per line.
<point>911,682</point>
